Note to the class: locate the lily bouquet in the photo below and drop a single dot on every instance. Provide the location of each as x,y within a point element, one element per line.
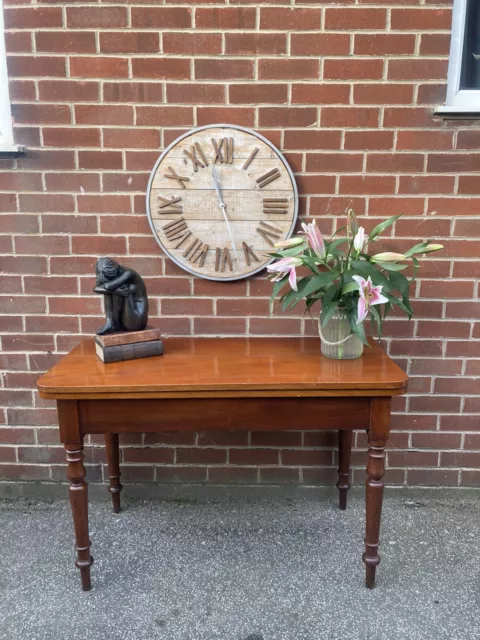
<point>345,277</point>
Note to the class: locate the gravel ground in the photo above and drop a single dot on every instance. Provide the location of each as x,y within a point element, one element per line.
<point>243,569</point>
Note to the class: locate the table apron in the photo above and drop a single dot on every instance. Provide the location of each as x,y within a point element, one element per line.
<point>267,414</point>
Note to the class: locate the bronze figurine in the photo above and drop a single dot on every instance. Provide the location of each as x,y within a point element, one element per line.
<point>125,297</point>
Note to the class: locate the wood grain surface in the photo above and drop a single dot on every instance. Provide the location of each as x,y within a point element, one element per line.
<point>228,367</point>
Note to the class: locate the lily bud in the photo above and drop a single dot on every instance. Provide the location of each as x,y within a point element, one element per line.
<point>433,247</point>
<point>359,240</point>
<point>286,244</point>
<point>352,224</point>
<point>388,256</point>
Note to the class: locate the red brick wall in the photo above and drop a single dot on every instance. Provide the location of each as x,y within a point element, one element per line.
<point>346,90</point>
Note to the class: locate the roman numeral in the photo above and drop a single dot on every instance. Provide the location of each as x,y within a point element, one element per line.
<point>176,229</point>
<point>269,233</point>
<point>196,252</point>
<point>173,175</point>
<point>222,258</point>
<point>201,154</point>
<point>218,150</point>
<point>200,255</point>
<point>165,205</point>
<point>275,205</point>
<point>268,177</point>
<point>223,150</point>
<point>229,150</point>
<point>248,253</point>
<point>186,235</point>
<point>193,157</point>
<point>250,158</point>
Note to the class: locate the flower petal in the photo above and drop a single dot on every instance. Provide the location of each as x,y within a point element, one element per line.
<point>362,310</point>
<point>292,279</point>
<point>377,298</point>
<point>360,281</point>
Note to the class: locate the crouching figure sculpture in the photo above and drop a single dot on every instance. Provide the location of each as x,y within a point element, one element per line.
<point>125,297</point>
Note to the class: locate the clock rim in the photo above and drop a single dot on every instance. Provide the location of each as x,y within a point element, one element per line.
<point>152,176</point>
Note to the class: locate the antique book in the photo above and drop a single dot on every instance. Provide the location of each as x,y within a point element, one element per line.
<point>128,337</point>
<point>121,352</point>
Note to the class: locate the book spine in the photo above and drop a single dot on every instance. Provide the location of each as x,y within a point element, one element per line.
<point>122,352</point>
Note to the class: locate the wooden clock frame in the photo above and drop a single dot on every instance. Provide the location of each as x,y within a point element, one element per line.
<point>165,152</point>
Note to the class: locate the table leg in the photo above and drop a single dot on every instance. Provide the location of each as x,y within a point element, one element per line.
<point>344,455</point>
<point>79,503</point>
<point>113,461</point>
<point>377,439</point>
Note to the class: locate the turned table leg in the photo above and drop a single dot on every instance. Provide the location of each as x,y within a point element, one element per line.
<point>344,454</point>
<point>113,461</point>
<point>377,439</point>
<point>79,503</point>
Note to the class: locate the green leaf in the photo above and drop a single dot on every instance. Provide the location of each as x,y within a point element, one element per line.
<point>350,287</point>
<point>358,329</point>
<point>380,228</point>
<point>331,246</point>
<point>366,269</point>
<point>277,286</point>
<point>306,287</point>
<point>387,307</point>
<point>418,248</point>
<point>318,282</point>
<point>327,303</point>
<point>328,311</point>
<point>400,304</point>
<point>291,298</point>
<point>310,263</point>
<point>331,292</point>
<point>378,319</point>
<point>399,281</point>
<point>416,266</point>
<point>391,266</point>
<point>406,302</point>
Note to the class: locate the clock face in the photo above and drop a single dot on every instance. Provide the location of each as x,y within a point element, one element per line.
<point>218,199</point>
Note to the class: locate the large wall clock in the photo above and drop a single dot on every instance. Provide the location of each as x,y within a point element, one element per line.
<point>218,199</point>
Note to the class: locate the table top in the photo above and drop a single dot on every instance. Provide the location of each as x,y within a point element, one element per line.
<point>224,367</point>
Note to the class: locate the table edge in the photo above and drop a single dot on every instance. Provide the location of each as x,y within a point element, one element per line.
<point>116,394</point>
<point>263,389</point>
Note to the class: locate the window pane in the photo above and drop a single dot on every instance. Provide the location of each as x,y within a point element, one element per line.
<point>470,78</point>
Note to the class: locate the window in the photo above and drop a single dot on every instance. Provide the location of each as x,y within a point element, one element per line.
<point>463,92</point>
<point>6,130</point>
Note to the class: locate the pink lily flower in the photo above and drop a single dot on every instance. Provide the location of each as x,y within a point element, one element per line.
<point>315,239</point>
<point>369,296</point>
<point>284,266</point>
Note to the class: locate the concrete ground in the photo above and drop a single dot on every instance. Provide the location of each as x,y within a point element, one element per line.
<point>287,568</point>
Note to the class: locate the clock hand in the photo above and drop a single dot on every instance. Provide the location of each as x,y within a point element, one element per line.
<point>223,207</point>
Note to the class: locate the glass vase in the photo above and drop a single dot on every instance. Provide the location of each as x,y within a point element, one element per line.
<point>337,339</point>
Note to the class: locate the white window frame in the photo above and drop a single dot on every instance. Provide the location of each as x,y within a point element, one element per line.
<point>459,101</point>
<point>6,130</point>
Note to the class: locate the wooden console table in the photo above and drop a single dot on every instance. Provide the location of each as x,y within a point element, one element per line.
<point>233,383</point>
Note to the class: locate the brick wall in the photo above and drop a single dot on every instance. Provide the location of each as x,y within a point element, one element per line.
<point>346,90</point>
